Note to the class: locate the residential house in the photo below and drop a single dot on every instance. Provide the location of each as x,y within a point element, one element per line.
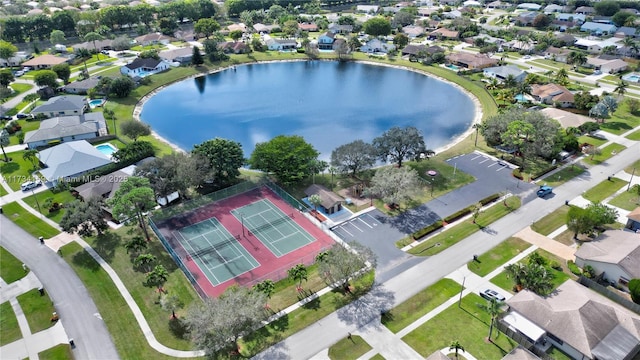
<point>180,55</point>
<point>520,353</point>
<point>239,26</point>
<point>607,64</point>
<point>413,31</point>
<point>472,3</point>
<point>631,11</point>
<point>152,39</point>
<point>498,5</point>
<point>578,321</point>
<point>602,19</point>
<point>65,105</point>
<point>281,44</point>
<point>185,35</point>
<point>596,46</point>
<point>553,94</point>
<point>626,31</point>
<point>105,44</point>
<point>424,12</point>
<point>471,61</point>
<point>66,128</point>
<point>595,28</point>
<point>453,14</point>
<point>81,87</point>
<point>325,41</point>
<point>444,33</point>
<point>633,220</point>
<point>557,54</point>
<point>264,29</point>
<point>368,9</point>
<point>615,254</point>
<point>70,160</point>
<point>448,2</point>
<point>501,73</point>
<point>330,201</point>
<point>377,46</point>
<point>415,50</point>
<point>566,39</point>
<point>529,7</point>
<point>140,67</point>
<point>391,9</point>
<point>44,61</point>
<point>585,10</point>
<point>104,187</point>
<point>577,18</point>
<point>553,8</point>
<point>234,47</point>
<point>340,29</point>
<point>310,27</point>
<point>526,46</point>
<point>16,59</point>
<point>527,18</point>
<point>430,24</point>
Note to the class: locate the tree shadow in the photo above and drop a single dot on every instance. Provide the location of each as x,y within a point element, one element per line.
<point>106,244</point>
<point>367,307</point>
<point>178,328</point>
<point>86,261</point>
<point>259,338</point>
<point>8,168</point>
<point>313,304</point>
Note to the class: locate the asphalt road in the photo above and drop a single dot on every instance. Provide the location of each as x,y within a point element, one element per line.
<point>73,303</point>
<point>322,334</point>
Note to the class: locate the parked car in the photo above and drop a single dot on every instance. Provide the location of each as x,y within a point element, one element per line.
<point>544,191</point>
<point>24,116</point>
<point>104,52</point>
<point>18,73</point>
<point>30,185</point>
<point>492,295</point>
<point>6,117</point>
<point>26,69</point>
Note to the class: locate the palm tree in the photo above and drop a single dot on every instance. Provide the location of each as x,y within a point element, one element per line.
<point>4,141</point>
<point>31,155</point>
<point>621,89</point>
<point>562,77</point>
<point>315,200</point>
<point>144,261</point>
<point>158,277</point>
<point>93,36</point>
<point>548,74</point>
<point>136,245</point>
<point>509,82</point>
<point>523,88</point>
<point>493,307</point>
<point>517,272</point>
<point>171,303</point>
<point>267,287</point>
<point>628,43</point>
<point>455,346</point>
<point>503,96</point>
<point>298,273</point>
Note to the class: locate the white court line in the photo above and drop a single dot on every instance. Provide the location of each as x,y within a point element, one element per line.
<point>364,222</point>
<point>199,258</point>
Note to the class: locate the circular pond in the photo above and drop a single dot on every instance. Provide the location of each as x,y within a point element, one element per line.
<point>328,103</point>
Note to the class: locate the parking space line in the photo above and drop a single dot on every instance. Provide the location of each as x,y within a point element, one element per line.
<point>475,157</point>
<point>484,161</point>
<point>354,225</point>
<point>492,165</point>
<point>364,222</point>
<point>345,230</point>
<point>501,168</point>
<point>375,221</point>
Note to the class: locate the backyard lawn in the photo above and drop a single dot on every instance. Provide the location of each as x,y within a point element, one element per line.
<point>552,221</point>
<point>459,232</point>
<point>604,189</point>
<point>497,256</point>
<point>38,310</point>
<point>10,267</point>
<point>349,348</point>
<point>420,304</point>
<point>468,324</point>
<point>9,329</point>
<point>608,151</point>
<point>29,222</point>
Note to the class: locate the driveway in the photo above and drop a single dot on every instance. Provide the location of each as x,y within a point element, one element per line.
<point>73,303</point>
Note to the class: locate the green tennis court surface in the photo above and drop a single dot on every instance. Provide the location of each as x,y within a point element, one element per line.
<point>218,253</point>
<point>275,229</point>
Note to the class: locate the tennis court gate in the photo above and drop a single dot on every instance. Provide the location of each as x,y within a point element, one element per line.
<point>178,259</point>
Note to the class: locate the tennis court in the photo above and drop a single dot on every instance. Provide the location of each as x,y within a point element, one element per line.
<point>275,229</point>
<point>217,252</point>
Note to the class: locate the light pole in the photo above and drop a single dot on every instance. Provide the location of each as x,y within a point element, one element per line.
<point>632,173</point>
<point>37,203</point>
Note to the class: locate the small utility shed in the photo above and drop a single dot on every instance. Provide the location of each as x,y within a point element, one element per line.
<point>330,201</point>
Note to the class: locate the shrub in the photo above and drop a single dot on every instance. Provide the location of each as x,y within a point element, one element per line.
<point>489,199</point>
<point>20,136</point>
<point>634,289</point>
<point>556,266</point>
<point>517,174</point>
<point>458,214</point>
<point>426,230</point>
<point>589,272</point>
<point>575,270</point>
<point>543,172</point>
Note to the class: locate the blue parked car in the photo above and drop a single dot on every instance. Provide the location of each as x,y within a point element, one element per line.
<point>544,191</point>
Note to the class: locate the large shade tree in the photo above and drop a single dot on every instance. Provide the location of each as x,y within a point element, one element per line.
<point>340,264</point>
<point>132,200</point>
<point>377,26</point>
<point>84,217</point>
<point>225,157</point>
<point>288,158</point>
<point>399,144</point>
<point>394,185</point>
<point>353,157</point>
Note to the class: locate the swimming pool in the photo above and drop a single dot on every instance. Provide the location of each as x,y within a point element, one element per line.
<point>106,149</point>
<point>633,77</point>
<point>452,67</point>
<point>96,103</point>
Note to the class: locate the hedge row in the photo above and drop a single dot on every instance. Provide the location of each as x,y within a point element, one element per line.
<point>543,172</point>
<point>427,230</point>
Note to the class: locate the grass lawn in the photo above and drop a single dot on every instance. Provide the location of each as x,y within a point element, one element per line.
<point>608,151</point>
<point>621,120</point>
<point>556,354</point>
<point>420,304</point>
<point>302,317</point>
<point>502,280</point>
<point>565,237</point>
<point>62,197</point>
<point>3,191</point>
<point>9,329</point>
<point>464,229</point>
<point>604,189</point>
<point>635,136</point>
<point>631,169</point>
<point>628,200</point>
<point>58,352</point>
<point>349,349</point>
<point>378,357</point>
<point>551,221</point>
<point>19,88</point>
<point>10,267</point>
<point>17,171</point>
<point>563,175</point>
<point>497,256</point>
<point>26,127</point>
<point>29,222</point>
<point>122,326</point>
<point>468,324</point>
<point>591,140</point>
<point>38,310</point>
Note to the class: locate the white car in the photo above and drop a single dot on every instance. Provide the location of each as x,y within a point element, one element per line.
<point>30,185</point>
<point>19,73</point>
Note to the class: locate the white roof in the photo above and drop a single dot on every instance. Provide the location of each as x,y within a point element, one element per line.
<point>70,158</point>
<point>529,329</point>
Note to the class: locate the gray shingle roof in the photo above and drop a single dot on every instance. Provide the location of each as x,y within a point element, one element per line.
<point>62,103</point>
<point>149,63</point>
<point>58,127</point>
<point>70,158</point>
<point>614,247</point>
<point>85,84</point>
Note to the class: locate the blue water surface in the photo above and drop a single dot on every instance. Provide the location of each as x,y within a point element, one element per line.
<point>328,103</point>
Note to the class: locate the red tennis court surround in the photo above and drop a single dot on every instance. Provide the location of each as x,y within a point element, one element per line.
<point>271,267</point>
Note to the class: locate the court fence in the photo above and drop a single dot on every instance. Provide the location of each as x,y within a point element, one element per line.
<point>171,249</point>
<point>299,205</point>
